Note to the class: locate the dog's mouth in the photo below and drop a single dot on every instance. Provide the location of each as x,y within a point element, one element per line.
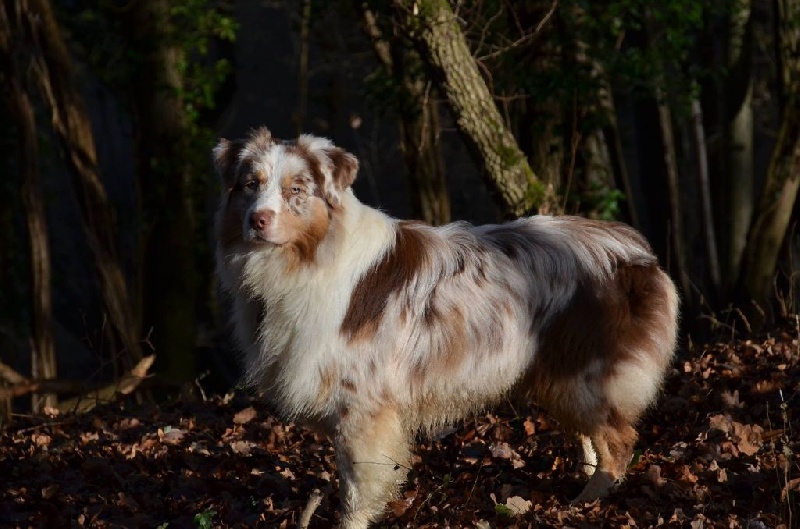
<point>257,238</point>
<point>254,237</point>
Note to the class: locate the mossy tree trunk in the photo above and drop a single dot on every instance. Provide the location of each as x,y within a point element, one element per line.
<point>434,26</point>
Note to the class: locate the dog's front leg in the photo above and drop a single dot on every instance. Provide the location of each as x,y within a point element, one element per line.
<point>372,456</point>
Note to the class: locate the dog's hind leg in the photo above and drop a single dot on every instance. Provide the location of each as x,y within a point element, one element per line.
<point>614,443</point>
<point>372,456</point>
<point>588,463</point>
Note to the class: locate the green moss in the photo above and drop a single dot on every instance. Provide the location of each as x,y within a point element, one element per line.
<point>536,192</point>
<point>428,9</point>
<point>510,155</point>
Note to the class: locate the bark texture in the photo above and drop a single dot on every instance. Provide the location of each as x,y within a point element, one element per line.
<point>778,197</point>
<point>419,124</point>
<point>51,68</point>
<point>43,354</point>
<point>511,180</point>
<point>738,139</point>
<point>709,233</point>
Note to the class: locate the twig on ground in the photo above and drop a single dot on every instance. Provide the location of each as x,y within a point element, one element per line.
<point>124,386</point>
<point>311,506</point>
<point>8,374</point>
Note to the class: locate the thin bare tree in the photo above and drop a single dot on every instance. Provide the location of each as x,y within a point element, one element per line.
<point>419,124</point>
<point>512,182</point>
<point>43,354</point>
<point>775,205</point>
<point>34,28</point>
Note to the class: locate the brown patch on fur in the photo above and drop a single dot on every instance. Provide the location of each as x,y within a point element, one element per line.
<point>327,379</point>
<point>306,232</point>
<point>388,276</point>
<point>456,343</point>
<point>349,385</point>
<point>287,183</point>
<point>345,167</point>
<point>610,320</point>
<point>614,321</point>
<point>314,166</point>
<point>615,441</point>
<point>649,294</point>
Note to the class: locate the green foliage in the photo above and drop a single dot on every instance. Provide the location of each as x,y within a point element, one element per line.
<point>637,456</point>
<point>603,202</point>
<point>114,51</point>
<point>629,40</point>
<point>205,519</point>
<point>446,480</point>
<point>194,25</point>
<point>563,74</point>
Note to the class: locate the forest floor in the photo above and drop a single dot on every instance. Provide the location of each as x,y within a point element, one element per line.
<point>721,449</point>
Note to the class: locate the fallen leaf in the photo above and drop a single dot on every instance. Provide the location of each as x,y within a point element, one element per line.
<point>518,505</point>
<point>530,427</point>
<point>245,416</point>
<point>49,491</point>
<point>241,447</point>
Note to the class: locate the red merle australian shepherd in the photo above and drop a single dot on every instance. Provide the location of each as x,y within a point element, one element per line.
<point>371,328</point>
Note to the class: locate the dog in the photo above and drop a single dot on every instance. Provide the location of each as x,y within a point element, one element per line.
<point>372,329</point>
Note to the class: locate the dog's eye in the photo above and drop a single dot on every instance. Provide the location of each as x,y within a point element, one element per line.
<point>251,184</point>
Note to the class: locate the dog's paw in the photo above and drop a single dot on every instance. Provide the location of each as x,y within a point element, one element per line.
<point>598,487</point>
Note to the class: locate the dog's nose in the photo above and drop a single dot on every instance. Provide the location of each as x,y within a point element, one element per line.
<point>261,219</point>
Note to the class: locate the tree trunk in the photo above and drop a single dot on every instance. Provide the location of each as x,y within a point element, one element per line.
<point>511,181</point>
<point>419,126</point>
<point>709,233</point>
<point>673,196</point>
<point>775,205</point>
<point>738,139</point>
<point>170,271</point>
<point>419,132</point>
<point>43,356</point>
<point>52,70</point>
<point>607,140</point>
<point>676,232</point>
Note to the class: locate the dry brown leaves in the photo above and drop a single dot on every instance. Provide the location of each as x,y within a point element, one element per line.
<point>720,450</point>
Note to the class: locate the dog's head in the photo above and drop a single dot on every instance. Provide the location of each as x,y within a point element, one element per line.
<point>281,193</point>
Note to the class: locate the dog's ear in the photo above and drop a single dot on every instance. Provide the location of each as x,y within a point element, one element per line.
<point>225,155</point>
<point>345,168</point>
<point>338,168</point>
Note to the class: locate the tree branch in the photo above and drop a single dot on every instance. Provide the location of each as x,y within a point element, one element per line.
<point>512,182</point>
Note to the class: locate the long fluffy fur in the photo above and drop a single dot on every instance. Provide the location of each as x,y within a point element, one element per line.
<point>371,328</point>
